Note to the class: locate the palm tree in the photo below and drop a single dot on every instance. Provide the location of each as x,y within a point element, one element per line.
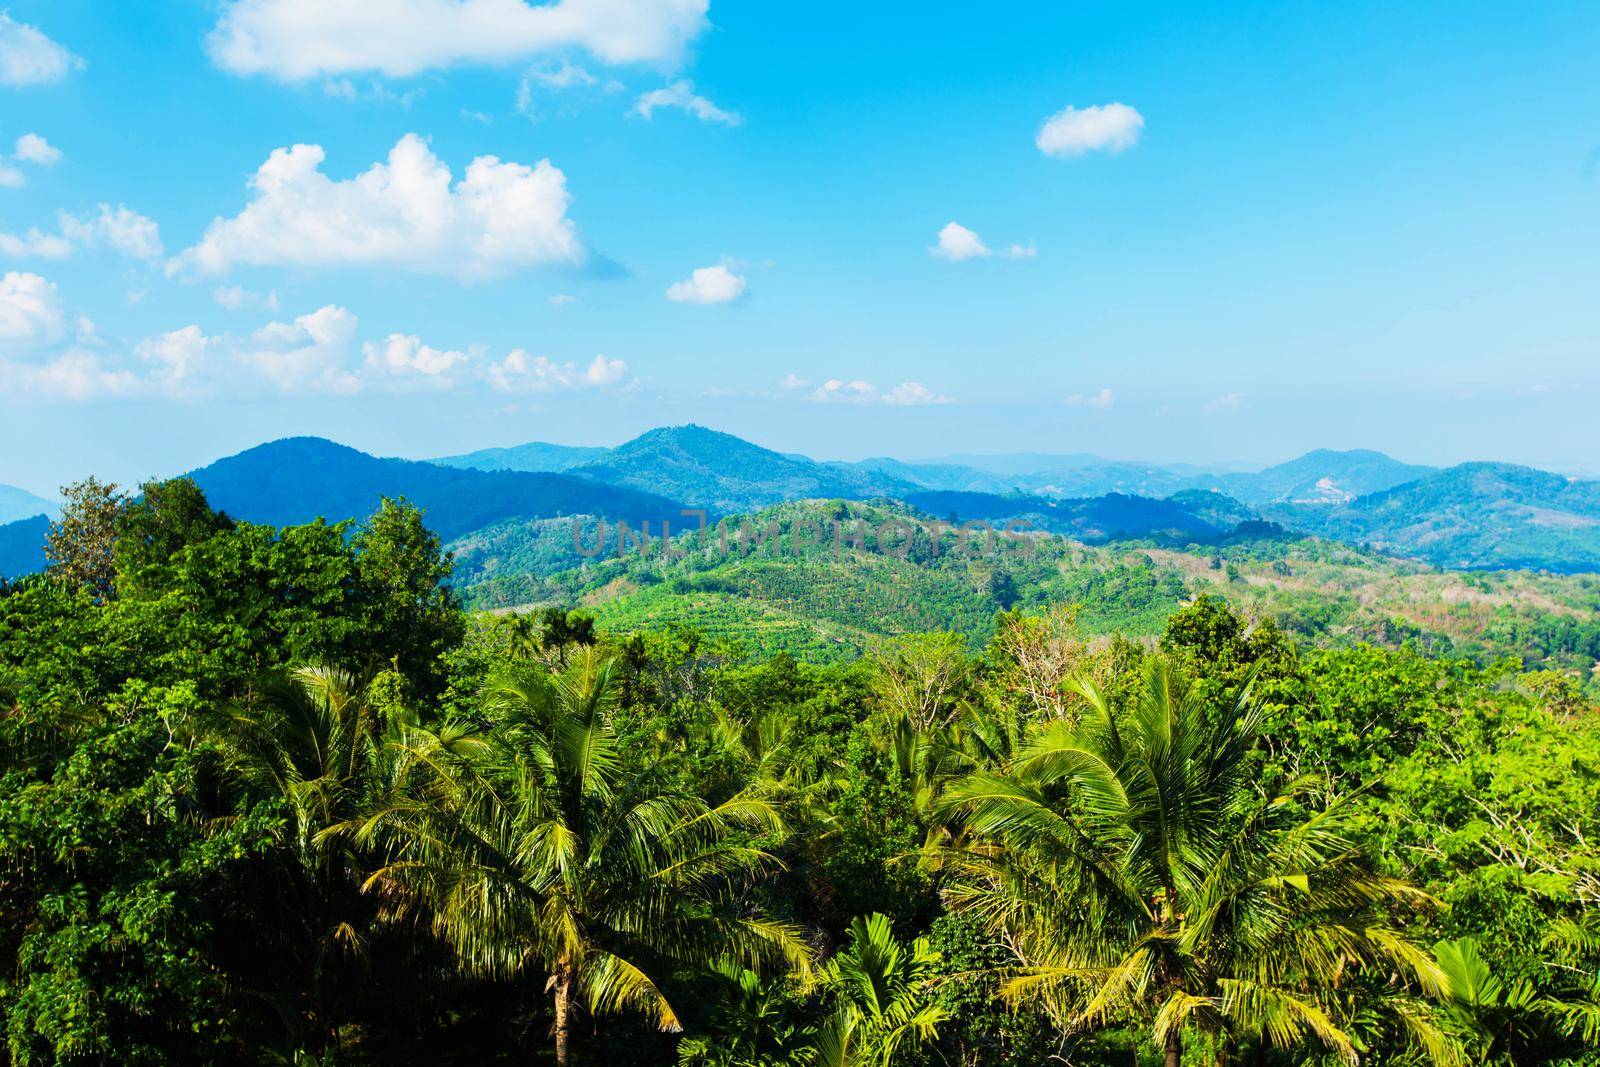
<point>545,848</point>
<point>1139,876</point>
<point>881,991</point>
<point>315,745</point>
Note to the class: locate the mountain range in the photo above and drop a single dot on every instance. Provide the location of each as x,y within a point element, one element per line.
<point>20,504</point>
<point>507,507</point>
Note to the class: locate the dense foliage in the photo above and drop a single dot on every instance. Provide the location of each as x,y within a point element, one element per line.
<point>270,795</point>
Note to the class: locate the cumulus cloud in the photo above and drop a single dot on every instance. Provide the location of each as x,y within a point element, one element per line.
<point>31,312</point>
<point>957,243</point>
<point>1072,131</point>
<point>403,212</point>
<point>1103,399</point>
<point>708,285</point>
<point>520,372</point>
<point>860,391</point>
<point>792,381</point>
<point>31,148</point>
<point>404,354</point>
<point>47,354</point>
<point>43,353</point>
<point>28,57</point>
<point>297,39</point>
<point>562,300</point>
<point>119,228</point>
<point>680,95</point>
<point>35,244</point>
<point>311,354</point>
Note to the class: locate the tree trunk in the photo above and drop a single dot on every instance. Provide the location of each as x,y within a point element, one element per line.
<point>1174,1048</point>
<point>564,1016</point>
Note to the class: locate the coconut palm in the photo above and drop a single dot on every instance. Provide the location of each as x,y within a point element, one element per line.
<point>313,744</point>
<point>546,849</point>
<point>1141,877</point>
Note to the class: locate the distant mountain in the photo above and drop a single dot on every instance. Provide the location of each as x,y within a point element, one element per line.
<point>534,456</point>
<point>1476,515</point>
<point>22,546</point>
<point>1323,477</point>
<point>20,504</point>
<point>724,473</point>
<point>935,475</point>
<point>1012,464</point>
<point>1194,518</point>
<point>299,479</point>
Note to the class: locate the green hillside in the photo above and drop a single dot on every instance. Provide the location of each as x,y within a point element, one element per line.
<point>1475,515</point>
<point>822,600</point>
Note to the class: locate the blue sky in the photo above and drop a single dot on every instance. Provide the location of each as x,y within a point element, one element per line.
<point>1302,225</point>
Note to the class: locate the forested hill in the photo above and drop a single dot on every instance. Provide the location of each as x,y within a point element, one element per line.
<point>726,473</point>
<point>534,456</point>
<point>1476,515</point>
<point>298,479</point>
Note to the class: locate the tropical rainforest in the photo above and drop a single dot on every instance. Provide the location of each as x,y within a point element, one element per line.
<point>273,794</point>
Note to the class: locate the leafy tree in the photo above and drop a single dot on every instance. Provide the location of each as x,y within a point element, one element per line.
<point>112,894</point>
<point>162,521</point>
<point>403,570</point>
<point>81,544</point>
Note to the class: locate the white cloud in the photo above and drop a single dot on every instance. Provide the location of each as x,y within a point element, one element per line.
<point>31,148</point>
<point>860,391</point>
<point>37,356</point>
<point>681,95</point>
<point>375,91</point>
<point>604,372</point>
<point>556,88</point>
<point>402,354</point>
<point>793,381</point>
<point>708,285</point>
<point>908,394</point>
<point>501,216</point>
<point>956,242</point>
<point>839,391</point>
<point>35,244</point>
<point>28,57</point>
<point>562,300</point>
<point>297,39</point>
<point>31,313</point>
<point>120,228</point>
<point>1073,131</point>
<point>238,298</point>
<point>1226,402</point>
<point>1105,398</point>
<point>312,354</point>
<point>520,372</point>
